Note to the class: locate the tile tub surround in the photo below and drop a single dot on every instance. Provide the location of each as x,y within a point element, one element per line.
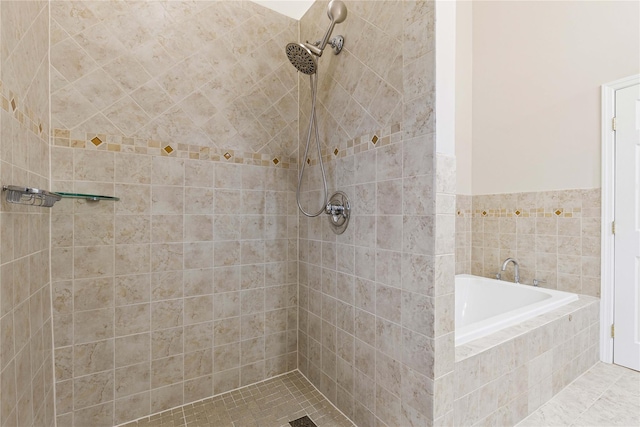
<point>183,289</point>
<point>555,235</point>
<point>26,356</point>
<point>502,378</point>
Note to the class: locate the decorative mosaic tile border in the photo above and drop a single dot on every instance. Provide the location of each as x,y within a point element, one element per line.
<point>464,213</point>
<point>371,141</point>
<point>25,116</point>
<point>520,213</point>
<point>118,143</point>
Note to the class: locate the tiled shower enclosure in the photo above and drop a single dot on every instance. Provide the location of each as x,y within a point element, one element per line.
<point>204,277</point>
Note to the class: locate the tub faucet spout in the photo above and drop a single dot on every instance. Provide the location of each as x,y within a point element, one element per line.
<point>516,266</point>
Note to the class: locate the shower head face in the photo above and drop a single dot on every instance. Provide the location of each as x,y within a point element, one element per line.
<point>337,11</point>
<point>301,58</point>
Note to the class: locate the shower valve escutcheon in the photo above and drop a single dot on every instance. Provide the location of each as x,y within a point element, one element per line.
<point>339,210</point>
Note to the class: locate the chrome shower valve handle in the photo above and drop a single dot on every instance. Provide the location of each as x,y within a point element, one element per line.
<point>335,210</point>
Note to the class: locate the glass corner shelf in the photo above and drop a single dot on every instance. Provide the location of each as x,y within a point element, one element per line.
<point>89,197</point>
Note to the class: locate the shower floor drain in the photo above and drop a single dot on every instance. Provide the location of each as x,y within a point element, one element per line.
<point>303,422</point>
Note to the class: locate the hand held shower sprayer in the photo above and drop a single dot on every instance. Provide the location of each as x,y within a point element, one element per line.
<point>304,56</point>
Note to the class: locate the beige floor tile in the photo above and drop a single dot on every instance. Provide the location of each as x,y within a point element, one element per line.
<point>605,395</point>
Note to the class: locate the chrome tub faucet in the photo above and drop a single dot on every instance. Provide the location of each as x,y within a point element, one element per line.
<point>515,264</point>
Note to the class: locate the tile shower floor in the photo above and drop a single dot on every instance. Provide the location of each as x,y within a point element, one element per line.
<point>605,395</point>
<point>272,403</point>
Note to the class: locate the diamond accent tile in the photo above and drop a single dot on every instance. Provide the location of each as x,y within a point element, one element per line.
<point>308,161</point>
<point>227,155</point>
<point>517,213</point>
<point>484,213</point>
<point>558,212</point>
<point>168,149</point>
<point>275,161</point>
<point>96,141</point>
<point>13,104</point>
<point>335,152</point>
<point>374,140</point>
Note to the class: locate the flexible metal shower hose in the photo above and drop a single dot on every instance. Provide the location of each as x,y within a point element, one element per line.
<point>313,123</point>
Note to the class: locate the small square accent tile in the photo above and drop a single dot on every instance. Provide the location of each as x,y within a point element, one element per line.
<point>96,141</point>
<point>227,155</point>
<point>168,149</point>
<point>275,161</point>
<point>374,140</point>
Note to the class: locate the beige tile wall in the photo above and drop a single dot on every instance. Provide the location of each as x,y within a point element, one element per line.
<point>26,367</point>
<point>205,73</point>
<point>369,337</point>
<point>184,288</point>
<point>464,235</point>
<point>555,236</point>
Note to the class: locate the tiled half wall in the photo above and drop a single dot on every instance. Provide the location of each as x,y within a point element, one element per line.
<point>554,235</point>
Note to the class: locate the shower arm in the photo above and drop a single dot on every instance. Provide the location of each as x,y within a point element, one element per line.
<point>325,39</point>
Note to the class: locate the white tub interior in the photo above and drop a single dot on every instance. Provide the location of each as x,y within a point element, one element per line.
<point>484,306</point>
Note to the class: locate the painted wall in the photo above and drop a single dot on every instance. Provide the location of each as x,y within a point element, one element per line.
<point>292,8</point>
<point>464,96</point>
<point>26,351</point>
<point>537,71</point>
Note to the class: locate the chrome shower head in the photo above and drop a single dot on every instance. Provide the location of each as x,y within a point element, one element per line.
<point>302,58</point>
<point>337,11</point>
<point>303,55</point>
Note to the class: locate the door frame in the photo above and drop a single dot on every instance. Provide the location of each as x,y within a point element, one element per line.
<point>607,272</point>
